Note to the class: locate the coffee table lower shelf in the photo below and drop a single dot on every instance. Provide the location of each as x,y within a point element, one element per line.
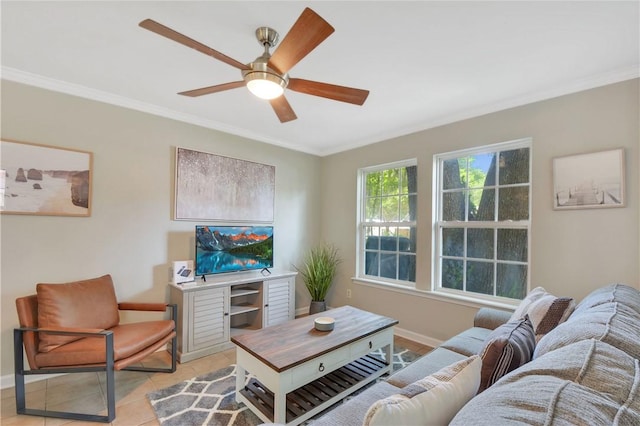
<point>312,395</point>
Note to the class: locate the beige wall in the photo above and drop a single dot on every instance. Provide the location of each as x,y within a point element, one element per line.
<point>130,233</point>
<point>573,252</point>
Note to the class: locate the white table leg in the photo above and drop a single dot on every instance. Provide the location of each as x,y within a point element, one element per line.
<point>280,407</point>
<point>388,355</point>
<point>240,373</point>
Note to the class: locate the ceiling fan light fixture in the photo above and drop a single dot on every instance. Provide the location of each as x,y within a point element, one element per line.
<point>265,85</point>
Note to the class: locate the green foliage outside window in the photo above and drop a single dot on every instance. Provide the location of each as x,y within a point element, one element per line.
<point>492,188</point>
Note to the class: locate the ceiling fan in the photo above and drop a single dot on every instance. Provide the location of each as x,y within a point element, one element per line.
<point>267,76</point>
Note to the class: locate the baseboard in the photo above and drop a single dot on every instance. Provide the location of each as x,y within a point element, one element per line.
<point>420,338</point>
<point>300,312</point>
<point>9,381</point>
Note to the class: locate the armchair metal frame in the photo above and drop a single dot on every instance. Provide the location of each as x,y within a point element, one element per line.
<point>109,368</point>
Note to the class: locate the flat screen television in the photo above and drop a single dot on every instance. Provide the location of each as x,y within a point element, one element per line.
<point>221,249</point>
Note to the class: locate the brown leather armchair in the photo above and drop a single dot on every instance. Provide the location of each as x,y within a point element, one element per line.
<point>75,327</point>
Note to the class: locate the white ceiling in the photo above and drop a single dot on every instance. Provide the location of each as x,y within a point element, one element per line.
<point>425,63</point>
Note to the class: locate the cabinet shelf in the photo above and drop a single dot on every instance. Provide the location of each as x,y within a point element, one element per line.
<point>237,292</point>
<point>241,309</point>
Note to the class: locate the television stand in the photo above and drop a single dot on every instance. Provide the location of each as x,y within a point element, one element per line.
<point>212,311</point>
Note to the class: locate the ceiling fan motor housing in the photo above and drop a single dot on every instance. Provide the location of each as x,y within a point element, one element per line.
<point>266,35</point>
<point>260,73</point>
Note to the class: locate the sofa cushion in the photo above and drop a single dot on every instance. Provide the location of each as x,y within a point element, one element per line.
<point>544,309</point>
<point>88,304</point>
<point>469,342</point>
<point>620,293</point>
<point>353,410</point>
<point>611,322</point>
<point>506,348</point>
<point>585,380</point>
<point>434,399</point>
<point>424,366</point>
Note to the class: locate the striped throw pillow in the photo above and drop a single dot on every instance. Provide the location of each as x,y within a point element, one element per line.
<point>505,349</point>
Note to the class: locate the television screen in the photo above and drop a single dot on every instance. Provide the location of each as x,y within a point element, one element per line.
<point>233,248</point>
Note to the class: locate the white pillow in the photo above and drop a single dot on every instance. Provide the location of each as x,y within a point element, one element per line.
<point>545,310</point>
<point>436,399</point>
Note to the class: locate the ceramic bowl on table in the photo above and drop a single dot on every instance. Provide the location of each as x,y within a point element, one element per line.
<point>324,323</point>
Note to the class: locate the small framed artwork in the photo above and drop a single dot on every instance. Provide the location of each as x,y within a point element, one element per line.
<point>44,180</point>
<point>593,180</point>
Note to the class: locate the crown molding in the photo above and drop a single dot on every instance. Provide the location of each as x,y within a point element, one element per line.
<point>36,80</point>
<point>591,82</point>
<point>42,82</point>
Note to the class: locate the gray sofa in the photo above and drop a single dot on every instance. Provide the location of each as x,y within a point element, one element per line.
<point>584,371</point>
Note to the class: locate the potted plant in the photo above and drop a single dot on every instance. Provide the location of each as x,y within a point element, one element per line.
<point>319,268</point>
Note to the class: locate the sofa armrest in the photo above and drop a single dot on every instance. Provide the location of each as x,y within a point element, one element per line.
<point>490,318</point>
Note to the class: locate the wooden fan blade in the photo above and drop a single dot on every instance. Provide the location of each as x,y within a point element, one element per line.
<point>306,34</point>
<point>167,32</point>
<point>330,91</point>
<point>212,89</point>
<point>282,108</point>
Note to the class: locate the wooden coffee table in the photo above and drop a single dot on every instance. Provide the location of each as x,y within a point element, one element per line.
<point>299,371</point>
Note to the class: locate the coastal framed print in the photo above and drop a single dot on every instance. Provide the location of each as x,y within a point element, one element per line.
<point>593,180</point>
<point>211,187</point>
<point>44,180</point>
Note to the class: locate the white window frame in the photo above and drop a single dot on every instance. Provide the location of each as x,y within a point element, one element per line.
<point>438,225</point>
<point>362,224</point>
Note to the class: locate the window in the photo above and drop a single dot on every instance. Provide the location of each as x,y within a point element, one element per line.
<point>482,216</point>
<point>387,222</point>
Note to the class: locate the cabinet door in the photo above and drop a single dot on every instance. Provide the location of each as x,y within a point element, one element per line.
<point>279,301</point>
<point>208,317</point>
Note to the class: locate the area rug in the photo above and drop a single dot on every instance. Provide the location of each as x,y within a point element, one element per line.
<point>210,399</point>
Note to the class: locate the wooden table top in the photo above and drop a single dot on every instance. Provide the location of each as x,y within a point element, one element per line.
<point>286,345</point>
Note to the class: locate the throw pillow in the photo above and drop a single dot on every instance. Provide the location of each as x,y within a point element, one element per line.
<point>545,310</point>
<point>505,349</point>
<point>433,400</point>
<point>88,304</point>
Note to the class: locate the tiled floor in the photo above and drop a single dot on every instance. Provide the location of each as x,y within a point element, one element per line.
<point>85,392</point>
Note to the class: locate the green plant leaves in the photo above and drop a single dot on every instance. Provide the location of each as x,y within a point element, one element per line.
<point>320,265</point>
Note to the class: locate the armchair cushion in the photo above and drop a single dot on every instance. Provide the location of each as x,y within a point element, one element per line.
<point>87,304</point>
<point>129,339</point>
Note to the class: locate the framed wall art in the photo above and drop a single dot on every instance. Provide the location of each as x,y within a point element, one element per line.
<point>593,180</point>
<point>213,187</point>
<point>44,180</point>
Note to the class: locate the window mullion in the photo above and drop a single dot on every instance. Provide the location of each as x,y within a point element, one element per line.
<point>387,230</point>
<point>506,203</point>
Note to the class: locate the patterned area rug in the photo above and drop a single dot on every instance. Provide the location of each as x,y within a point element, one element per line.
<point>210,399</point>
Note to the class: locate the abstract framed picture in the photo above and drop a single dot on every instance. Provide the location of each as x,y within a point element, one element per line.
<point>592,180</point>
<point>211,187</point>
<point>44,180</point>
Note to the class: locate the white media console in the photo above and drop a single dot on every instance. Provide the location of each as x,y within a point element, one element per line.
<point>211,312</point>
